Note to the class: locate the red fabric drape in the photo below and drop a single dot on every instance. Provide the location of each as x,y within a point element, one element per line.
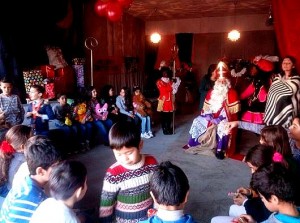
<point>287,27</point>
<point>164,50</point>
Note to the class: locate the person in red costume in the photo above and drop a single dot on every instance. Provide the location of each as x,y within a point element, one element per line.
<point>209,130</point>
<point>254,97</point>
<point>167,89</point>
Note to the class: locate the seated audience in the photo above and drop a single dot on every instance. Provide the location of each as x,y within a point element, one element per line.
<point>108,97</point>
<point>12,156</point>
<point>23,199</point>
<point>67,185</point>
<point>277,188</point>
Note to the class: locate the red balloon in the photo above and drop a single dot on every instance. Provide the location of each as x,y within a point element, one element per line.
<point>114,11</point>
<point>100,8</point>
<point>125,3</point>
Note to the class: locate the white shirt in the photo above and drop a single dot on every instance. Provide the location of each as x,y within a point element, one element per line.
<point>53,211</point>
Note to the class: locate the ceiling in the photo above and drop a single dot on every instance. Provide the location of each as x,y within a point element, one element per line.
<point>157,10</point>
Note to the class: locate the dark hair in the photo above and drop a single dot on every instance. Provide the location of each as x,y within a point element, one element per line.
<point>294,61</point>
<point>16,136</point>
<point>65,178</point>
<point>124,134</point>
<point>276,180</point>
<point>166,70</point>
<point>7,80</point>
<point>128,98</point>
<point>169,184</point>
<point>260,155</point>
<point>105,91</point>
<point>39,88</point>
<point>59,95</point>
<point>40,152</point>
<point>276,136</point>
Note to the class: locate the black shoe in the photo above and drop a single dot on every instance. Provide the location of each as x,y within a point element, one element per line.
<point>220,155</point>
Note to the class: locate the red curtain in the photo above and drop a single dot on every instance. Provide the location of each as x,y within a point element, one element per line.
<point>164,50</point>
<point>287,27</point>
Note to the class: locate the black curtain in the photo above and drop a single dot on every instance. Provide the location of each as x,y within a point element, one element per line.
<point>151,55</point>
<point>152,74</point>
<point>184,42</point>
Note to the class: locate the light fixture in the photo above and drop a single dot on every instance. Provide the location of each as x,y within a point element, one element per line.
<point>155,37</point>
<point>234,34</point>
<point>270,20</point>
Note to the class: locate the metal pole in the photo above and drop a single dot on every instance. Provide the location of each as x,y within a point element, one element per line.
<point>91,43</point>
<point>174,52</point>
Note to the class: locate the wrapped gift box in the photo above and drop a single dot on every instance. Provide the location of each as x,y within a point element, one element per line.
<point>32,77</point>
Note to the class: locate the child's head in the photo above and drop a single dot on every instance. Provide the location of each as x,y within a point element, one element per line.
<point>67,179</point>
<point>62,99</point>
<point>6,85</point>
<point>36,92</point>
<point>125,140</point>
<point>275,184</point>
<point>137,90</point>
<point>92,92</point>
<point>40,153</point>
<point>169,186</point>
<point>17,136</point>
<point>276,136</point>
<point>259,155</point>
<point>295,128</point>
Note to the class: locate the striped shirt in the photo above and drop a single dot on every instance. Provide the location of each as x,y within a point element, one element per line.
<point>22,201</point>
<point>13,109</point>
<point>126,192</point>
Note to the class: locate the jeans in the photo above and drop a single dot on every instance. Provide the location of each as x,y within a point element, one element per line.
<point>102,128</point>
<point>85,131</point>
<point>146,123</point>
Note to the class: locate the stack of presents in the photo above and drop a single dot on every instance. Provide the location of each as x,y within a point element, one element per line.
<point>56,77</point>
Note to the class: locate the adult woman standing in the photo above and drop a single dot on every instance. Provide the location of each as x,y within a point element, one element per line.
<point>284,95</point>
<point>207,83</point>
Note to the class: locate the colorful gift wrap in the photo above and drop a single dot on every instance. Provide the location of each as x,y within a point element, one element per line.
<point>79,70</point>
<point>49,90</point>
<point>48,71</point>
<point>32,77</point>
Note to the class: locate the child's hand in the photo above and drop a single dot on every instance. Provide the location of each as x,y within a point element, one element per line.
<point>239,199</point>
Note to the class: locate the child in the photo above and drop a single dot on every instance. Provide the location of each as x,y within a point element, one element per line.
<point>23,199</point>
<point>125,194</point>
<point>83,121</point>
<point>100,120</point>
<point>246,200</point>
<point>169,188</point>
<point>125,106</point>
<point>12,156</point>
<point>277,188</point>
<point>142,109</point>
<point>11,109</point>
<point>63,120</point>
<point>39,111</point>
<point>108,96</point>
<point>67,185</point>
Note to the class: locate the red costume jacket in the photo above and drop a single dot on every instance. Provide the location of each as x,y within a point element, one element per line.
<point>165,94</point>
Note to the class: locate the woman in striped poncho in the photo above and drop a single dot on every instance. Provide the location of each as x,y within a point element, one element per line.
<point>284,95</point>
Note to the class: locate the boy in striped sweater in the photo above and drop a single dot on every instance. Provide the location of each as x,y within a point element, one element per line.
<point>126,188</point>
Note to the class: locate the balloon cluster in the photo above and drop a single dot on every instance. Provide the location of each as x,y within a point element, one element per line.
<point>112,9</point>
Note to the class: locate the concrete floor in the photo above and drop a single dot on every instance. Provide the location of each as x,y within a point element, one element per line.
<point>210,179</point>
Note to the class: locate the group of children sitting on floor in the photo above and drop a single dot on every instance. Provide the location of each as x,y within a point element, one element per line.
<point>86,121</point>
<point>136,188</point>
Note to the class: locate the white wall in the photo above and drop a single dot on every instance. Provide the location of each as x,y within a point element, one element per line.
<point>209,24</point>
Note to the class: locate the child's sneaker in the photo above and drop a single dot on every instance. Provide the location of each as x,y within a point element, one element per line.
<point>150,134</point>
<point>145,136</point>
